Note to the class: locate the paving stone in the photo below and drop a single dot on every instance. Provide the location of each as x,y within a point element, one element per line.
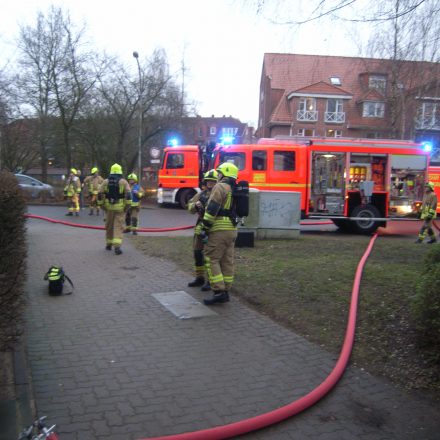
<point>110,362</point>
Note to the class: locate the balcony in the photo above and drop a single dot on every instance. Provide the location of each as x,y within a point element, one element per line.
<point>334,117</point>
<point>306,115</point>
<point>428,123</point>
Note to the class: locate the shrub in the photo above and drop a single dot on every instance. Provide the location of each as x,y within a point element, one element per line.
<point>12,261</point>
<point>426,305</point>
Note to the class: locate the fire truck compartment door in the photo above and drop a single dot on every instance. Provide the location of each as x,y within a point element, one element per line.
<point>406,161</point>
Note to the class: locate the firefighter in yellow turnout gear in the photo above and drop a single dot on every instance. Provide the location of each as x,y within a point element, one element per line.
<point>132,215</point>
<point>220,227</point>
<point>428,214</point>
<point>72,189</point>
<point>197,205</point>
<point>115,196</point>
<point>92,183</point>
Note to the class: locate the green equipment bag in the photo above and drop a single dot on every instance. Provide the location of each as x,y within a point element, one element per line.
<point>56,277</point>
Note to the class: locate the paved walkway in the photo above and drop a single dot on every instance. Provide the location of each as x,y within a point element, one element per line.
<point>111,362</point>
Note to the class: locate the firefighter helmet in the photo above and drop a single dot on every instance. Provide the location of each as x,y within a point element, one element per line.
<point>211,175</point>
<point>73,171</point>
<point>116,169</point>
<point>94,170</point>
<point>228,169</point>
<point>132,176</point>
<point>430,185</point>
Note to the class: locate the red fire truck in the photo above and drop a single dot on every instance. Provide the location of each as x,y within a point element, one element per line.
<point>357,183</point>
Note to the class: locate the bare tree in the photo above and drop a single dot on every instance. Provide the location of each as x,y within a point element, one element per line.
<point>54,76</point>
<point>404,43</point>
<point>153,92</point>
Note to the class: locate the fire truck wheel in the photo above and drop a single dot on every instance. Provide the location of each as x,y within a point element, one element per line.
<point>367,212</point>
<point>185,196</point>
<point>343,225</point>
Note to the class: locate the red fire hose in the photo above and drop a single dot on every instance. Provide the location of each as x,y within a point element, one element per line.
<point>297,406</point>
<point>80,225</point>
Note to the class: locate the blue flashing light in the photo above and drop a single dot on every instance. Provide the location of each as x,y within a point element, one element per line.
<point>173,142</point>
<point>227,140</point>
<point>427,146</point>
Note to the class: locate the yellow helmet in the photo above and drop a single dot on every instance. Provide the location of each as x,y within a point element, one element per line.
<point>228,169</point>
<point>211,175</point>
<point>94,170</point>
<point>116,169</point>
<point>74,171</point>
<point>430,185</point>
<point>133,176</point>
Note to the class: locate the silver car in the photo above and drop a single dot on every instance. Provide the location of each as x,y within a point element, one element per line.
<point>33,187</point>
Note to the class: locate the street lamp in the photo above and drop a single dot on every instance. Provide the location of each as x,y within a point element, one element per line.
<point>136,55</point>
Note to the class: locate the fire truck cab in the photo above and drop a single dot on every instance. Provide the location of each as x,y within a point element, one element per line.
<point>179,174</point>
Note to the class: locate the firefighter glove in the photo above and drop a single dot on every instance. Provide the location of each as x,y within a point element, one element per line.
<point>204,236</point>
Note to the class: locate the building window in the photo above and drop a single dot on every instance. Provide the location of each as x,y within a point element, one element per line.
<point>333,133</point>
<point>307,110</point>
<point>429,116</point>
<point>284,161</point>
<point>259,160</point>
<point>373,109</point>
<point>200,132</point>
<point>372,135</point>
<point>378,82</point>
<point>306,132</point>
<point>229,131</point>
<point>335,81</point>
<point>334,112</point>
<point>212,131</point>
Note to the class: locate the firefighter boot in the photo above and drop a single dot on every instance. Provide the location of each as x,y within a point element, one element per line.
<point>199,281</point>
<point>91,212</point>
<point>219,297</point>
<point>206,287</point>
<point>69,213</point>
<point>118,251</point>
<point>108,247</point>
<point>432,240</point>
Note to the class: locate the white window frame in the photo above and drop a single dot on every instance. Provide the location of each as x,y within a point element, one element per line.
<point>306,111</point>
<point>429,115</point>
<point>378,82</point>
<point>336,133</point>
<point>337,115</point>
<point>306,132</point>
<point>229,131</point>
<point>373,109</point>
<point>212,131</point>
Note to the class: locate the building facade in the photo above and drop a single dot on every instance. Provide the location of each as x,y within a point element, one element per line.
<point>333,96</point>
<point>206,131</point>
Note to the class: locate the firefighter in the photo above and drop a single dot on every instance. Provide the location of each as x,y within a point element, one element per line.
<point>92,183</point>
<point>132,215</point>
<point>197,205</point>
<point>115,195</point>
<point>428,214</point>
<point>72,190</point>
<point>220,228</point>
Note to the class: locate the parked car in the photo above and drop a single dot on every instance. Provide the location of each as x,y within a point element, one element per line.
<point>33,187</point>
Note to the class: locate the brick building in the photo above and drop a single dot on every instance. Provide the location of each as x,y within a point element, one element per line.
<point>308,95</point>
<point>212,130</point>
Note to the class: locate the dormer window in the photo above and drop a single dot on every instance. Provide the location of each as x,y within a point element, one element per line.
<point>335,81</point>
<point>378,82</point>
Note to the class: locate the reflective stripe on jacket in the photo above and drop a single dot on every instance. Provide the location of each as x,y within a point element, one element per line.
<point>220,199</point>
<point>429,205</point>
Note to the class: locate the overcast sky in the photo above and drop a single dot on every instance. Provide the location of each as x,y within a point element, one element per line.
<point>221,41</point>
